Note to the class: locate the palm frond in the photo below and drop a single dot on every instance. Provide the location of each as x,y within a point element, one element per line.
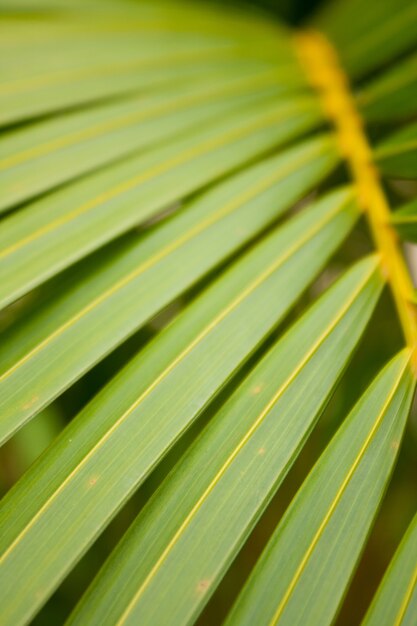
<point>396,156</point>
<point>393,95</point>
<point>246,451</point>
<point>36,247</point>
<point>323,536</point>
<point>149,416</point>
<point>209,159</point>
<point>396,599</point>
<point>405,221</point>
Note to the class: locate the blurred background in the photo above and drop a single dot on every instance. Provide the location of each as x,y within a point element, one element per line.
<point>383,337</point>
<point>292,11</point>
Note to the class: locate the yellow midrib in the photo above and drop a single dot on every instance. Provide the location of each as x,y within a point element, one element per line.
<point>327,77</point>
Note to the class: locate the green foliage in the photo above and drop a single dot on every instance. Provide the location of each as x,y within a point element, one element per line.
<point>320,538</point>
<point>397,155</point>
<point>175,206</point>
<point>396,600</point>
<point>405,221</point>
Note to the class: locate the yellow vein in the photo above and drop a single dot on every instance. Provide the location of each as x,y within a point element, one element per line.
<point>407,599</point>
<point>339,494</point>
<point>256,424</point>
<point>245,196</point>
<point>198,149</point>
<point>326,75</point>
<point>259,280</point>
<point>151,110</point>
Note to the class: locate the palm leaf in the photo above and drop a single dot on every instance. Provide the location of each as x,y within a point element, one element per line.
<point>280,401</point>
<point>405,221</point>
<point>148,178</point>
<point>397,155</point>
<point>122,63</point>
<point>173,374</point>
<point>166,153</point>
<point>307,242</point>
<point>393,95</point>
<point>396,599</point>
<point>310,558</point>
<point>25,263</point>
<point>384,31</point>
<point>58,150</point>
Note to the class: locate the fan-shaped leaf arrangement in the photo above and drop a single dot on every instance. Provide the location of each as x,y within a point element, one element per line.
<point>113,113</point>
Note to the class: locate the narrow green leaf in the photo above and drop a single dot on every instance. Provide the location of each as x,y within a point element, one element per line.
<point>304,571</point>
<point>40,157</point>
<point>24,264</point>
<point>122,46</point>
<point>52,73</point>
<point>63,502</point>
<point>397,155</point>
<point>368,35</point>
<point>395,602</point>
<point>96,86</point>
<point>27,265</point>
<point>405,221</point>
<point>123,42</point>
<point>100,207</point>
<point>136,28</point>
<point>95,308</point>
<point>29,442</point>
<point>393,95</point>
<point>181,544</point>
<point>147,14</point>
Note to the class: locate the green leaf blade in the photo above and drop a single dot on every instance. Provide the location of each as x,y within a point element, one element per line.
<point>405,221</point>
<point>392,96</point>
<point>64,227</point>
<point>312,554</point>
<point>42,156</point>
<point>51,69</point>
<point>227,478</point>
<point>117,440</point>
<point>396,599</point>
<point>127,288</point>
<point>397,156</point>
<point>383,32</point>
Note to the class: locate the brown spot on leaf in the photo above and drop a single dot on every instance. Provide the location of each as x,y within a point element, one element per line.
<point>203,585</point>
<point>257,389</point>
<point>30,402</point>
